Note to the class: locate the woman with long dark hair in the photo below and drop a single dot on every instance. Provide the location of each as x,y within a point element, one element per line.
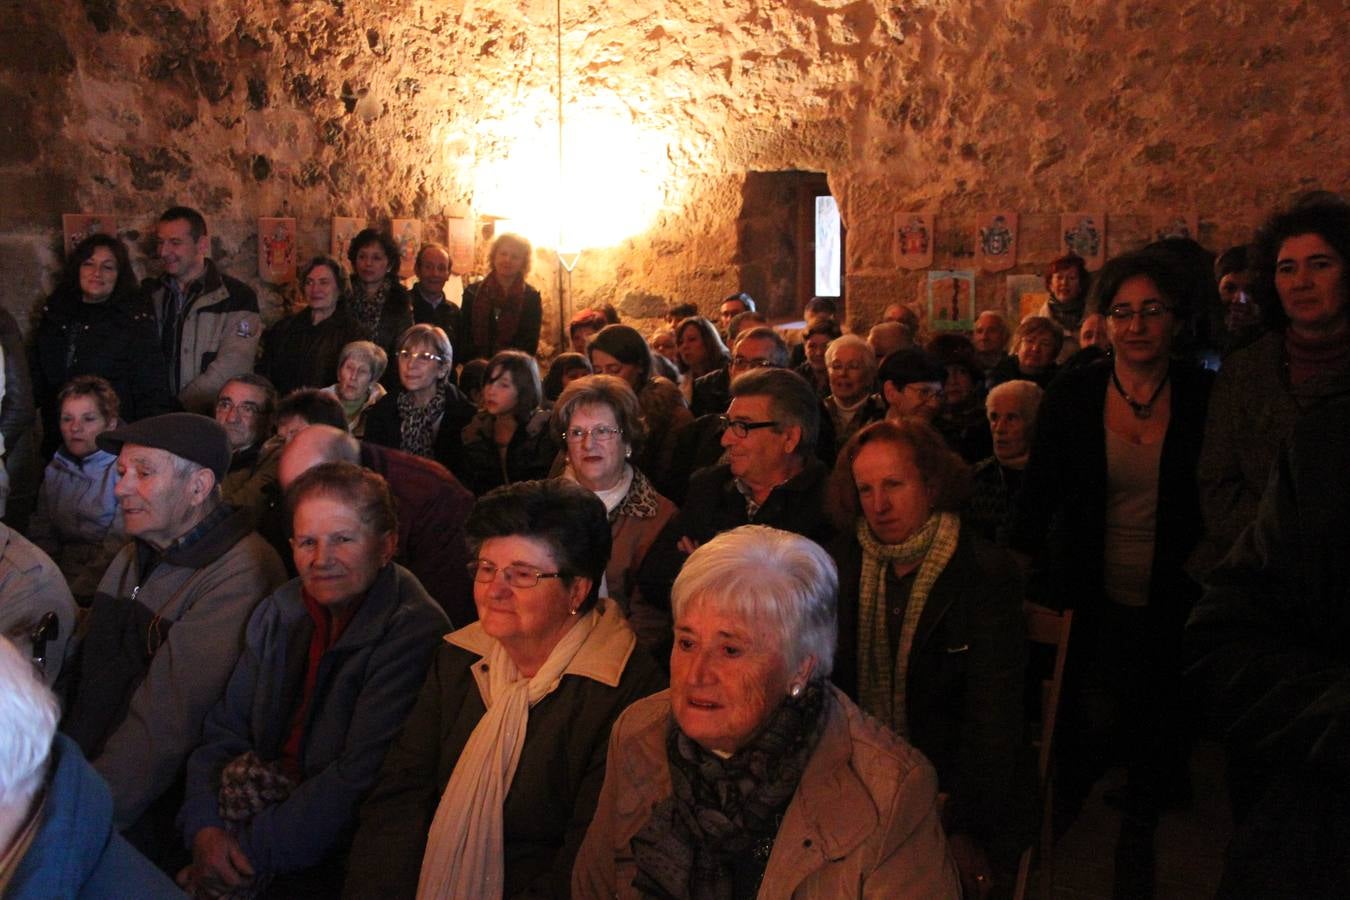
<point>378,301</point>
<point>95,323</point>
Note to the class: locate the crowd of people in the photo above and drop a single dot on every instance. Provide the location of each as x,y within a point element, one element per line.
<point>371,602</point>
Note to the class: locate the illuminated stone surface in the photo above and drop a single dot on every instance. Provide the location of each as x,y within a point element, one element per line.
<point>393,108</point>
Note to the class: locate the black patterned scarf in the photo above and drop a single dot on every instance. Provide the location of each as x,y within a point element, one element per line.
<point>712,838</point>
<point>368,307</point>
<point>417,425</point>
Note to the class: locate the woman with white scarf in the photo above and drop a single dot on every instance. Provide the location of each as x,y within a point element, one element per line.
<point>932,639</point>
<point>488,791</point>
<point>600,422</point>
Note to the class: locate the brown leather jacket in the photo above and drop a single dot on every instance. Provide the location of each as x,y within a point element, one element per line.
<point>863,822</point>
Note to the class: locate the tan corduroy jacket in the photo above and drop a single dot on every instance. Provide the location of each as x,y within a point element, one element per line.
<point>863,822</point>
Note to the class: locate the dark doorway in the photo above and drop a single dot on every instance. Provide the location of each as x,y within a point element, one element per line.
<point>790,242</point>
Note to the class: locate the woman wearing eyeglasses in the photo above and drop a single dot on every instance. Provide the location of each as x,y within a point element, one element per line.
<point>489,789</point>
<point>425,416</point>
<point>600,421</point>
<point>622,351</point>
<point>1110,511</point>
<point>509,439</point>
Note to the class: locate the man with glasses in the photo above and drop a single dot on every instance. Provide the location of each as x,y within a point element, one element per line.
<point>911,383</point>
<point>245,408</point>
<point>758,348</point>
<point>770,476</point>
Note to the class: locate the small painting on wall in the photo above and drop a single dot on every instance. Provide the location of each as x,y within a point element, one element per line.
<point>276,250</point>
<point>913,240</point>
<point>1085,235</point>
<point>951,300</point>
<point>78,226</point>
<point>408,236</point>
<point>996,247</point>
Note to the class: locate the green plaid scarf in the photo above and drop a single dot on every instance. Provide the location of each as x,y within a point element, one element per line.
<point>881,680</point>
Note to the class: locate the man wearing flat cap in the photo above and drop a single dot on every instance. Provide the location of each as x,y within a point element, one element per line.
<point>168,618</point>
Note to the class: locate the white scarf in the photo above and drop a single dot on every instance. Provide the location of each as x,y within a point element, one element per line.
<point>611,497</point>
<point>465,846</point>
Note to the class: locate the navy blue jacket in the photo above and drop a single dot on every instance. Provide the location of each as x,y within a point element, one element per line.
<point>366,684</point>
<point>76,852</point>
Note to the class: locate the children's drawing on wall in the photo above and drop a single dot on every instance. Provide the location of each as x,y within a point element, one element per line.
<point>344,229</point>
<point>276,250</point>
<point>1176,225</point>
<point>408,236</point>
<point>996,247</point>
<point>914,240</point>
<point>951,300</point>
<point>459,241</point>
<point>1085,235</point>
<point>1023,295</point>
<point>78,226</point>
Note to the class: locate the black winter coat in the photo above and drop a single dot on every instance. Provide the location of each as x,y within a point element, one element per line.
<point>297,354</point>
<point>116,339</point>
<point>963,690</point>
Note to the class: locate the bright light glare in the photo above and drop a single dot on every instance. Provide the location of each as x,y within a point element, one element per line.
<point>614,180</point>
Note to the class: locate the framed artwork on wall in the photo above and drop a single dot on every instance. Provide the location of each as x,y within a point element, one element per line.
<point>1084,233</point>
<point>913,233</point>
<point>951,300</point>
<point>276,250</point>
<point>344,229</point>
<point>78,226</point>
<point>996,241</point>
<point>408,235</point>
<point>1176,224</point>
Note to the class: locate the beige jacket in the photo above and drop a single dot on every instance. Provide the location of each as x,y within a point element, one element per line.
<point>863,822</point>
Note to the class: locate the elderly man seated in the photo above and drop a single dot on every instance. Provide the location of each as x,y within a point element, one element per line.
<point>990,338</point>
<point>168,618</point>
<point>56,832</point>
<point>771,477</point>
<point>432,508</point>
<point>246,408</point>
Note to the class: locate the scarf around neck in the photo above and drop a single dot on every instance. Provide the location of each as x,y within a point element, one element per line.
<point>723,814</point>
<point>881,680</point>
<point>417,425</point>
<point>367,308</point>
<point>465,855</point>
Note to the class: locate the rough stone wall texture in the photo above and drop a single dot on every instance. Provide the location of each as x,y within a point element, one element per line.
<point>385,108</point>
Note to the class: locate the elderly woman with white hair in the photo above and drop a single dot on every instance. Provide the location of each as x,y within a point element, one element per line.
<point>853,401</point>
<point>1011,408</point>
<point>56,814</point>
<point>358,388</point>
<point>752,775</point>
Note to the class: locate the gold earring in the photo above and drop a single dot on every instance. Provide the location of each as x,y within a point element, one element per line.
<point>795,691</point>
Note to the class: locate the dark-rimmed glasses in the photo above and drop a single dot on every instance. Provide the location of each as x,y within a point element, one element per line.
<point>741,428</point>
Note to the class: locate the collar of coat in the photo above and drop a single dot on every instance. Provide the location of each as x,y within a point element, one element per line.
<point>602,658</point>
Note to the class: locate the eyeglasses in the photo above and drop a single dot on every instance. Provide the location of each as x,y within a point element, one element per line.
<point>247,408</point>
<point>742,362</point>
<point>423,356</point>
<point>598,433</point>
<point>1148,312</point>
<point>517,575</point>
<point>741,428</point>
<point>926,391</point>
<point>846,367</point>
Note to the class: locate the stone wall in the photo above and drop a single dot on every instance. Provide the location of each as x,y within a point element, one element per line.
<point>384,108</point>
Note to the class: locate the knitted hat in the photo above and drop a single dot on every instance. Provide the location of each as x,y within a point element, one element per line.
<point>193,437</point>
